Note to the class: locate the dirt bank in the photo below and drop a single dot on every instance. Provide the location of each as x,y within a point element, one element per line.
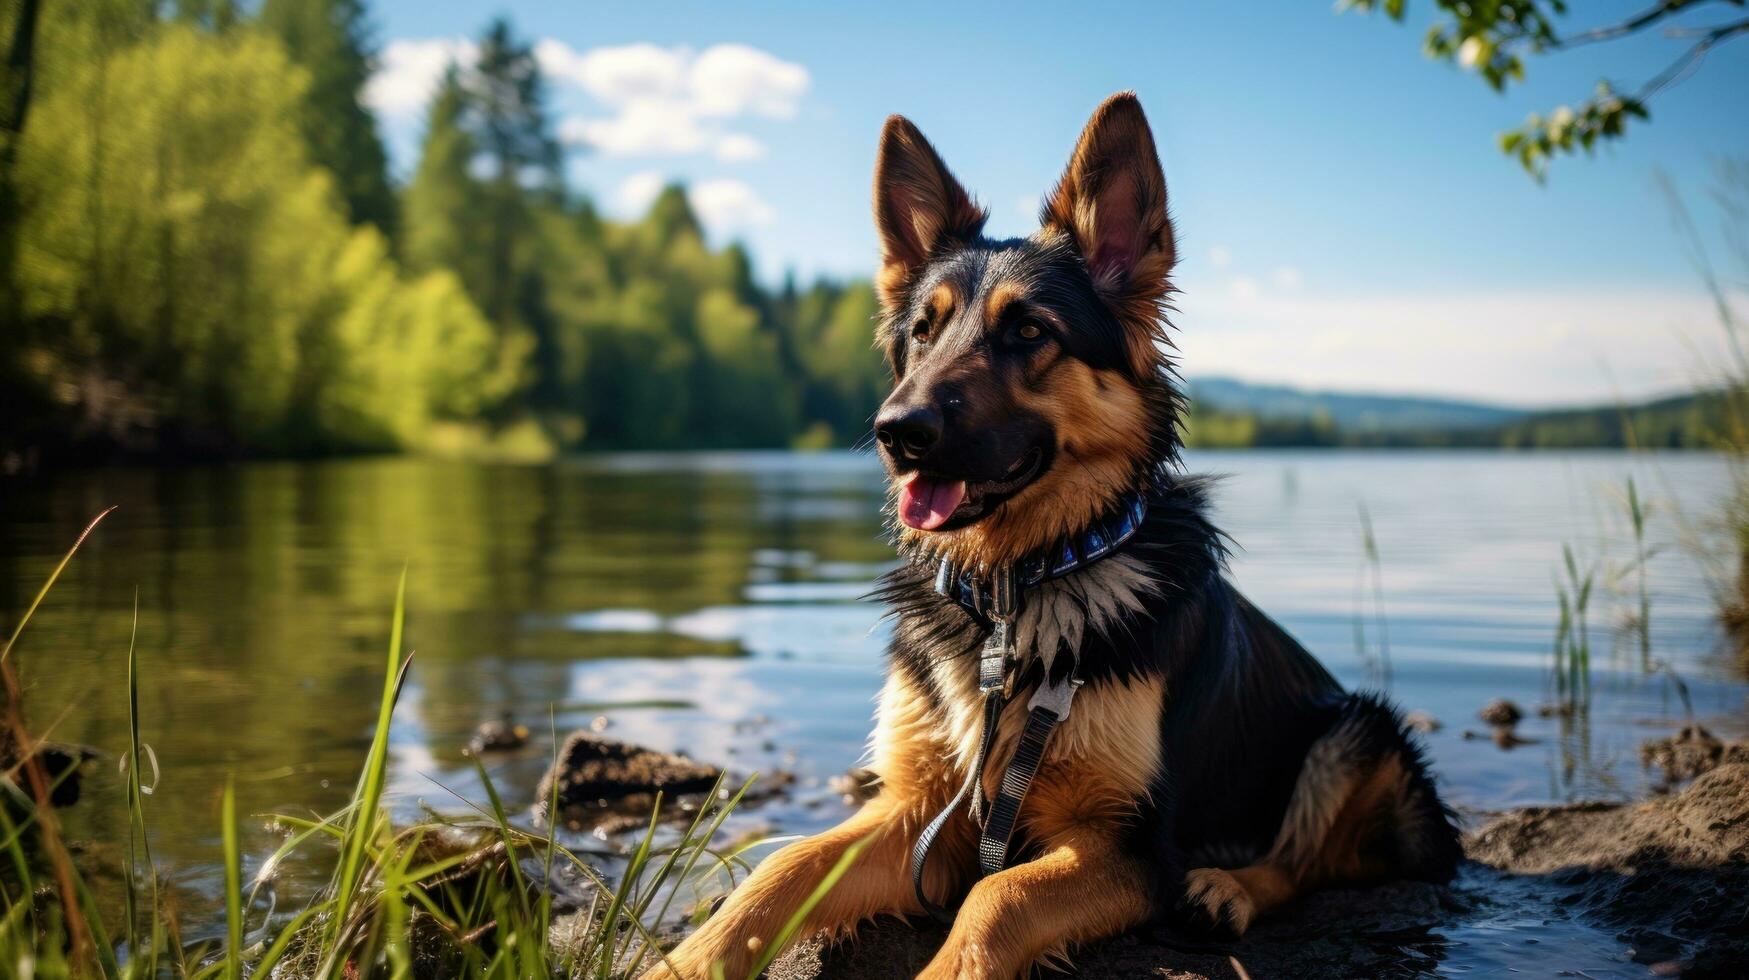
<point>1652,889</point>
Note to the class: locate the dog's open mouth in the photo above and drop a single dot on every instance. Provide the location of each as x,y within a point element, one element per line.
<point>931,503</point>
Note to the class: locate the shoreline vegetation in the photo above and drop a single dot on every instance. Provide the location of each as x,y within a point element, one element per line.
<point>486,893</point>
<point>1684,422</point>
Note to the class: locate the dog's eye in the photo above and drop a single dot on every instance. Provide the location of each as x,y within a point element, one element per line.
<point>1029,332</point>
<point>920,331</point>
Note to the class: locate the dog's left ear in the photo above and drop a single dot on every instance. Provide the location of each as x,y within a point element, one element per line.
<point>1111,201</point>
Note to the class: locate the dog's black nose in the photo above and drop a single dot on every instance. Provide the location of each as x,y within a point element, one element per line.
<point>909,432</point>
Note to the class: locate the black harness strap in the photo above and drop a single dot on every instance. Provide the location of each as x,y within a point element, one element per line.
<point>1048,709</point>
<point>998,601</point>
<point>920,851</point>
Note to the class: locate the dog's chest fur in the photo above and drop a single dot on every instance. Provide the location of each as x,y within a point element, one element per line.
<point>1105,601</point>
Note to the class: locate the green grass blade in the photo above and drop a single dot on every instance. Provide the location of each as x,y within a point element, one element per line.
<point>700,846</point>
<point>53,576</point>
<point>505,834</point>
<point>233,886</point>
<point>137,813</point>
<point>264,967</point>
<point>634,868</point>
<point>794,925</point>
<point>368,796</point>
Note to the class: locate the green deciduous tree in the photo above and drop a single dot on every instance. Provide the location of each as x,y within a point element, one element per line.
<point>191,273</point>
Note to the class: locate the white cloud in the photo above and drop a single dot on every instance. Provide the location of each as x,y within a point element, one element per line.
<point>616,76</point>
<point>738,148</point>
<point>408,72</point>
<point>646,127</point>
<point>671,101</point>
<point>1244,289</point>
<point>1287,277</point>
<point>636,193</point>
<point>733,79</point>
<point>659,101</point>
<point>1220,256</point>
<point>1533,347</point>
<point>727,205</point>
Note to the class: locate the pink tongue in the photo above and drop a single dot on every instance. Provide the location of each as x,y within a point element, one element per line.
<point>926,504</point>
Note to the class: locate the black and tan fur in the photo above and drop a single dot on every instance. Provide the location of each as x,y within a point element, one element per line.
<point>1210,769</point>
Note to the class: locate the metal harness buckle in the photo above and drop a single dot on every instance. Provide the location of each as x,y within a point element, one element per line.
<point>1057,697</point>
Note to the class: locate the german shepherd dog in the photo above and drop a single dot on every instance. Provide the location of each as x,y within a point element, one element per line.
<point>1210,769</point>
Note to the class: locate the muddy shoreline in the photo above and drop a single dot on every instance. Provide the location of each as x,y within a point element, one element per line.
<point>1667,879</point>
<point>1654,888</point>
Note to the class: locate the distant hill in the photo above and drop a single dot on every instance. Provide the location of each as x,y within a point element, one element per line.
<point>1350,413</point>
<point>1230,413</point>
<point>1698,421</point>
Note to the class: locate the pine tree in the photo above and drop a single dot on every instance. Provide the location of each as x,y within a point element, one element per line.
<point>506,117</point>
<point>331,40</point>
<point>443,201</point>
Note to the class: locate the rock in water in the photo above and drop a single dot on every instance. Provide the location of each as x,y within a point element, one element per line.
<point>857,786</point>
<point>1501,712</point>
<point>61,764</point>
<point>498,736</point>
<point>1421,721</point>
<point>592,771</point>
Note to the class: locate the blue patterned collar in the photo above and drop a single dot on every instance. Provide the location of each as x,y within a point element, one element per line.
<point>977,589</point>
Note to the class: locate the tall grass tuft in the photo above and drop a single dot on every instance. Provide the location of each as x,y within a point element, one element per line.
<point>1730,436</point>
<point>449,896</point>
<point>1639,512</point>
<point>1377,662</point>
<point>1572,652</point>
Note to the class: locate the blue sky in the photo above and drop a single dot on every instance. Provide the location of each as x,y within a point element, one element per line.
<point>1344,218</point>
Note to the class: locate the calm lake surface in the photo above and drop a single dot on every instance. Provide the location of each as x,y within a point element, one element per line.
<point>723,588</point>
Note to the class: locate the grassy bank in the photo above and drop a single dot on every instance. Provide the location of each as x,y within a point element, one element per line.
<point>486,894</point>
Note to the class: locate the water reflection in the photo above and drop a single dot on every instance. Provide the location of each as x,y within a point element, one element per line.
<point>710,589</point>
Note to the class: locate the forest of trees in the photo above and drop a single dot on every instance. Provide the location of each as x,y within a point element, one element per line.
<point>202,253</point>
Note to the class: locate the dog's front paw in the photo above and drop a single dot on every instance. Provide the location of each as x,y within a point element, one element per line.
<point>695,959</point>
<point>960,961</point>
<point>1218,900</point>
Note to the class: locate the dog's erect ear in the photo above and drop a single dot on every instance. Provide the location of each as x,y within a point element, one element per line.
<point>1111,201</point>
<point>918,206</point>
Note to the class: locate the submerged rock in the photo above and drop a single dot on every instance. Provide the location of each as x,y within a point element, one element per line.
<point>1421,721</point>
<point>855,787</point>
<point>61,764</point>
<point>1501,712</point>
<point>498,736</point>
<point>1665,879</point>
<point>592,771</point>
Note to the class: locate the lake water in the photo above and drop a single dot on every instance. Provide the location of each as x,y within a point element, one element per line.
<point>721,591</point>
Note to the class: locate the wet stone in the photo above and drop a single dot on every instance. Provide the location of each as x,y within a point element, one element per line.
<point>498,736</point>
<point>592,771</point>
<point>1501,712</point>
<point>1421,721</point>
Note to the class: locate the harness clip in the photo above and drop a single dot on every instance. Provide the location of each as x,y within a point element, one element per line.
<point>1057,697</point>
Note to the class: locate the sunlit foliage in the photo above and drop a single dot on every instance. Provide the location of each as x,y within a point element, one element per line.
<point>202,261</point>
